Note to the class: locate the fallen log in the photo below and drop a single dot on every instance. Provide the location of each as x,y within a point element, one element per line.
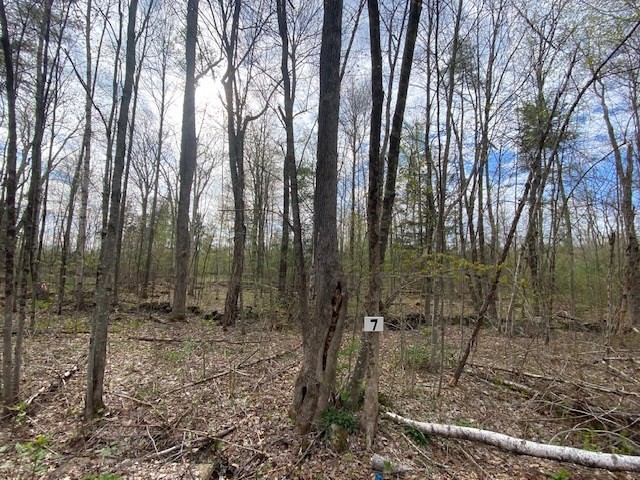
<point>607,461</point>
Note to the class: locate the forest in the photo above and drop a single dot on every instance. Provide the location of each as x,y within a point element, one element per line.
<point>303,239</point>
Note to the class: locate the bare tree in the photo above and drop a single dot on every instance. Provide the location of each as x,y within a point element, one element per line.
<point>239,27</point>
<point>321,336</point>
<point>100,322</point>
<point>9,210</point>
<point>291,175</point>
<point>188,155</point>
<point>367,366</point>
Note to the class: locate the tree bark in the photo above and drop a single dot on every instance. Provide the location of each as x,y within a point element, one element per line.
<point>156,169</point>
<point>188,154</point>
<point>100,322</point>
<point>81,241</point>
<point>10,210</point>
<point>31,215</point>
<point>322,335</point>
<point>235,132</point>
<point>368,357</point>
<point>289,87</point>
<point>367,366</point>
<point>520,446</point>
<point>396,127</point>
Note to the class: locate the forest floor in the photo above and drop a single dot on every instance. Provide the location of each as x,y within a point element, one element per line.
<point>189,400</point>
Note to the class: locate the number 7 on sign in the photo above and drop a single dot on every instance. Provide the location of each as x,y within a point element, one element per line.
<point>373,324</point>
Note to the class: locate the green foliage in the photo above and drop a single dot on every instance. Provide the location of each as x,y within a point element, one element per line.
<point>112,449</point>
<point>540,127</point>
<point>588,441</point>
<point>20,410</point>
<point>42,304</point>
<point>34,452</point>
<point>561,474</point>
<point>461,422</point>
<point>625,446</point>
<point>385,401</point>
<point>416,357</point>
<point>340,417</point>
<point>347,354</point>
<point>178,356</point>
<point>417,436</point>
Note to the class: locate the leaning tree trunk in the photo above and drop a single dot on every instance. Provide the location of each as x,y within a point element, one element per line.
<point>100,322</point>
<point>322,335</point>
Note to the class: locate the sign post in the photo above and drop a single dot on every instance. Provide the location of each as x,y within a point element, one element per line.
<point>373,324</point>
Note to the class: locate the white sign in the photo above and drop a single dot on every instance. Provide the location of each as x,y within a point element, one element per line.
<point>373,324</point>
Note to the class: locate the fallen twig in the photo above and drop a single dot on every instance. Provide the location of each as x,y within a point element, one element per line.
<point>58,382</point>
<point>577,383</point>
<point>183,340</point>
<point>229,371</point>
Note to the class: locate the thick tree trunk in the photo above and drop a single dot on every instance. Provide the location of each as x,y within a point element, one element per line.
<point>322,335</point>
<point>100,322</point>
<point>367,364</point>
<point>188,154</point>
<point>236,155</point>
<point>520,446</point>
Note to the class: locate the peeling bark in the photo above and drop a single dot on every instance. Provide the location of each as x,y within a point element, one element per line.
<point>521,446</point>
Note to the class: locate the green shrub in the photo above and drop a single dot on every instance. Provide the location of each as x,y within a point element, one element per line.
<point>341,417</point>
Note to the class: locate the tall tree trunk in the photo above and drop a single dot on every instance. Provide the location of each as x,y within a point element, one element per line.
<point>284,242</point>
<point>31,214</point>
<point>10,211</point>
<point>415,11</point>
<point>371,340</point>
<point>321,336</point>
<point>156,173</point>
<point>188,154</point>
<point>81,242</point>
<point>289,86</point>
<point>66,239</point>
<point>235,131</point>
<point>367,366</point>
<point>100,322</point>
<point>624,172</point>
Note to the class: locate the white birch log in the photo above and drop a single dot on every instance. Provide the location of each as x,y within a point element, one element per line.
<point>606,461</point>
